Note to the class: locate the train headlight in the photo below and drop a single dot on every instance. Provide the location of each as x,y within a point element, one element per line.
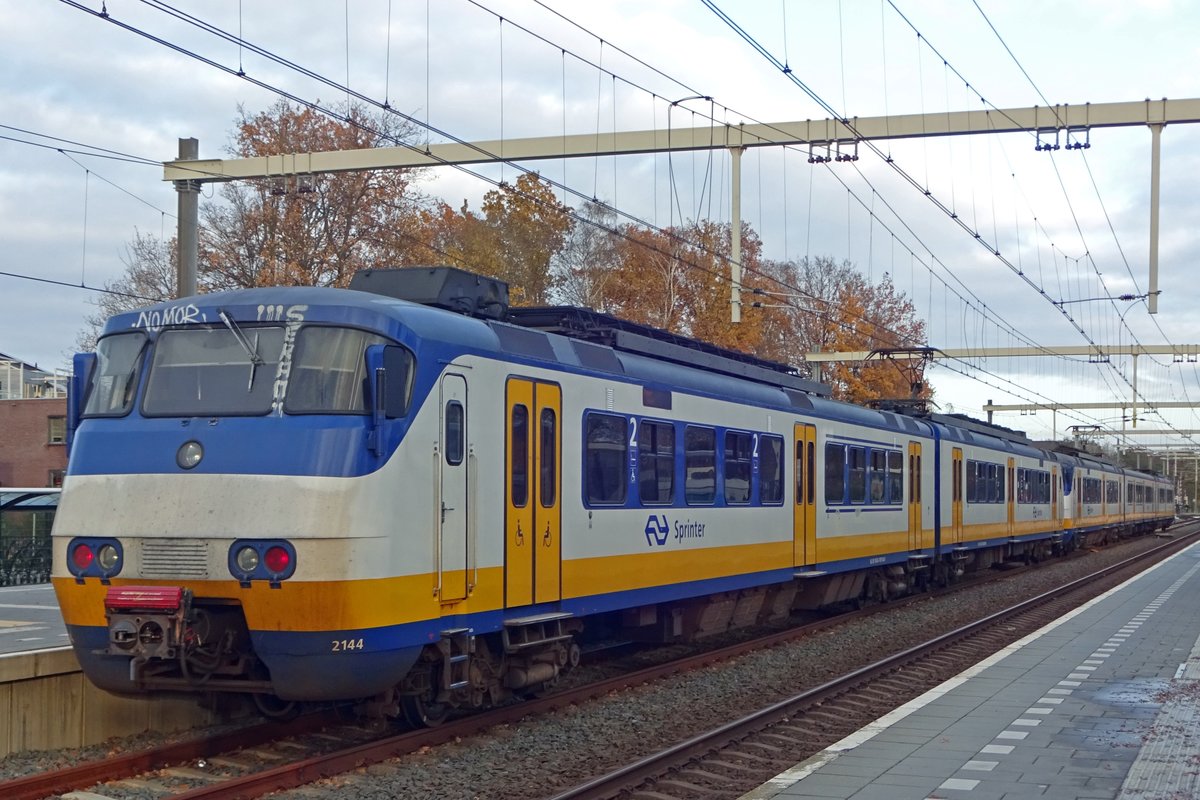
<point>247,559</point>
<point>189,454</point>
<point>82,557</point>
<point>108,557</point>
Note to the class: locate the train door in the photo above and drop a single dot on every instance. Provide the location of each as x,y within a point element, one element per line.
<point>533,501</point>
<point>956,504</point>
<point>1010,497</point>
<point>1054,496</point>
<point>452,494</point>
<point>804,512</point>
<point>914,495</point>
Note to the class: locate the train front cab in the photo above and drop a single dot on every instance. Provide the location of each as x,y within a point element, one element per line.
<point>220,575</point>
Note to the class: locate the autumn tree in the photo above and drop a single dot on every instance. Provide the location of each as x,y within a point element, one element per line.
<point>587,264</point>
<point>529,227</point>
<point>305,229</point>
<point>516,237</point>
<point>648,280</point>
<point>301,229</point>
<point>149,277</point>
<point>454,238</point>
<point>832,307</point>
<point>678,279</point>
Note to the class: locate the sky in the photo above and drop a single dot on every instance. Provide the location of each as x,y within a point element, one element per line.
<point>76,86</point>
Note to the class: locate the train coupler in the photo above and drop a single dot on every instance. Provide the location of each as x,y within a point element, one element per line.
<point>146,622</point>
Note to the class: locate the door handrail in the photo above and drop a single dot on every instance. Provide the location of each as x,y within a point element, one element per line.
<point>437,519</point>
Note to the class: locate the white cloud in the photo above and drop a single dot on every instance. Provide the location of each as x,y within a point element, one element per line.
<point>73,76</point>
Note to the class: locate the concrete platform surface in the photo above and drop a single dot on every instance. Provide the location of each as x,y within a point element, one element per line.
<point>1103,703</point>
<point>30,619</point>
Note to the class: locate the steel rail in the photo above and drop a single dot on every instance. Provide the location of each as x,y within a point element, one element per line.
<point>311,769</point>
<point>45,784</point>
<point>671,758</point>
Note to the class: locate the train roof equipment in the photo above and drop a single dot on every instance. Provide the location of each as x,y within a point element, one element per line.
<point>631,337</point>
<point>445,287</point>
<point>474,295</point>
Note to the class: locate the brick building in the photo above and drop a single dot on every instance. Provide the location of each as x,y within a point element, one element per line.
<point>33,425</point>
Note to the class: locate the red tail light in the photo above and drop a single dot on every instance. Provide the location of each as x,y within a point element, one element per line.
<point>82,556</point>
<point>277,559</point>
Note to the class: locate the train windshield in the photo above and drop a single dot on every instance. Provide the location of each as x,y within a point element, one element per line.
<point>203,372</point>
<point>328,374</point>
<point>114,380</point>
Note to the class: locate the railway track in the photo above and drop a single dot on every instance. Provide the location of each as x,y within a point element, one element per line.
<point>736,757</point>
<point>269,758</point>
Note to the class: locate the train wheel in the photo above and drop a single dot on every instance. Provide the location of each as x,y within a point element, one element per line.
<point>422,713</point>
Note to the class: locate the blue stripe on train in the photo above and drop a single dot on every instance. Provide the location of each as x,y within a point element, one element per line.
<point>303,666</point>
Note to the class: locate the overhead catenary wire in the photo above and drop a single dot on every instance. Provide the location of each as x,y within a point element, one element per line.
<point>661,73</point>
<point>84,286</point>
<point>891,162</point>
<point>356,95</point>
<point>607,43</point>
<point>790,75</point>
<point>1099,197</point>
<point>1054,110</point>
<point>628,216</point>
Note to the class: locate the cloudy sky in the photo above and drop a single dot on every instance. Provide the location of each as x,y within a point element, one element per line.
<point>76,86</point>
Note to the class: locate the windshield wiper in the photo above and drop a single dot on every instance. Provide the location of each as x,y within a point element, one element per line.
<point>251,349</point>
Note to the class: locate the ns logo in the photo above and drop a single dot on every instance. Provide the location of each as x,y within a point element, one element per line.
<point>657,531</point>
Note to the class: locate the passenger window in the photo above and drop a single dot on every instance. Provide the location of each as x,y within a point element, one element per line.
<point>835,473</point>
<point>896,477</point>
<point>700,465</point>
<point>800,473</point>
<point>519,427</point>
<point>857,459</point>
<point>738,455</point>
<point>878,476</point>
<point>770,470</point>
<point>656,463</point>
<point>455,433</point>
<point>548,475</point>
<point>607,437</point>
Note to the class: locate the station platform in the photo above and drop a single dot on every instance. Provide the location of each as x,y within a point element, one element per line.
<point>30,619</point>
<point>1103,703</point>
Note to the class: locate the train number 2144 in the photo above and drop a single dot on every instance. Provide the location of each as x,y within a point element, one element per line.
<point>341,645</point>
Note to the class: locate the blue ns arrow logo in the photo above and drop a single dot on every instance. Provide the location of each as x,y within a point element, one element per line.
<point>657,532</point>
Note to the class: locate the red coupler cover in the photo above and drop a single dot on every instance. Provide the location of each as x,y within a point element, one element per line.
<point>150,598</point>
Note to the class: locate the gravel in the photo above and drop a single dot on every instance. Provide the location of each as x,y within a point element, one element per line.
<point>539,757</point>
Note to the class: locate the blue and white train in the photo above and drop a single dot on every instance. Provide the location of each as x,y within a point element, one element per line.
<point>314,494</point>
